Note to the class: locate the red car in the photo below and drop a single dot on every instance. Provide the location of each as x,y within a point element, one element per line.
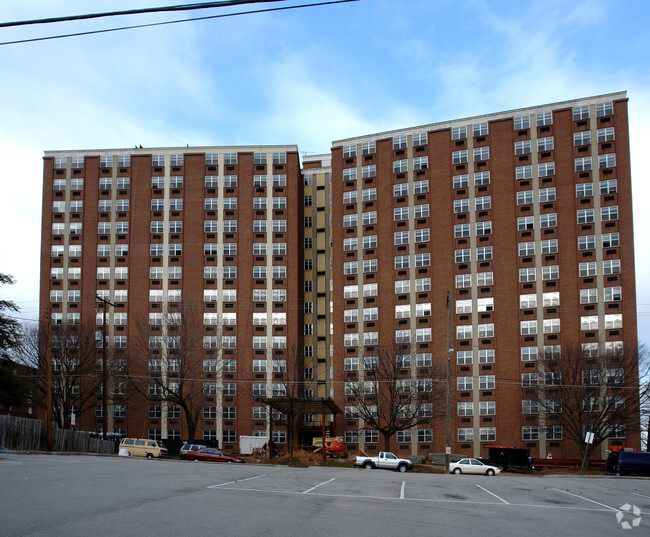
<point>211,455</point>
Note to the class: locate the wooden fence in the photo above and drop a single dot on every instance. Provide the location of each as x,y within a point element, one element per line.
<point>23,434</point>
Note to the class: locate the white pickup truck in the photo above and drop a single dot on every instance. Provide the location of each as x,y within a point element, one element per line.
<point>385,459</point>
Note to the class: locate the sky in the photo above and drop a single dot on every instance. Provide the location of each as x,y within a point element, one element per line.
<point>305,76</point>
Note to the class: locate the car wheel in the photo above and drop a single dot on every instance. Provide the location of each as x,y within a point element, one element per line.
<point>489,472</point>
<point>458,471</point>
<point>149,456</point>
<point>367,465</point>
<point>402,468</point>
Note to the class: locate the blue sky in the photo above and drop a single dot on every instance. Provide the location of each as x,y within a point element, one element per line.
<point>305,76</point>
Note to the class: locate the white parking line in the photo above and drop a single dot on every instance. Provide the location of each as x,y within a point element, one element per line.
<point>319,485</point>
<point>493,494</point>
<point>586,499</point>
<point>642,495</point>
<point>401,492</point>
<point>236,481</point>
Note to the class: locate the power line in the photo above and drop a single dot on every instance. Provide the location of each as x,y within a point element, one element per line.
<point>91,32</point>
<point>180,7</point>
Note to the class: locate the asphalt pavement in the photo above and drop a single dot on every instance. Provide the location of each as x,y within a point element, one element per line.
<point>76,495</point>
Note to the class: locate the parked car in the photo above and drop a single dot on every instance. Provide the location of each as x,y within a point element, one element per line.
<point>186,448</point>
<point>385,459</point>
<point>473,466</point>
<point>211,455</point>
<point>628,463</point>
<point>143,447</point>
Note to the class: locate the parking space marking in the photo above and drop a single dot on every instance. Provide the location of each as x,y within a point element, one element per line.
<point>401,492</point>
<point>319,485</point>
<point>583,498</point>
<point>642,495</point>
<point>493,494</point>
<point>235,481</point>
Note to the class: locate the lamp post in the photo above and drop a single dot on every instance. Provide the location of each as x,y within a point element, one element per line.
<point>450,349</point>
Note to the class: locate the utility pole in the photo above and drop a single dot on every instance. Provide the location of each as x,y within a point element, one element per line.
<point>48,389</point>
<point>104,302</point>
<point>448,417</point>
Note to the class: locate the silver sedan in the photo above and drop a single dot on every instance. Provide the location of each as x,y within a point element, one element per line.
<point>473,466</point>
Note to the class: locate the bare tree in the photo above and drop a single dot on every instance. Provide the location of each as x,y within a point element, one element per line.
<point>176,367</point>
<point>74,373</point>
<point>288,386</point>
<point>590,391</point>
<point>391,397</point>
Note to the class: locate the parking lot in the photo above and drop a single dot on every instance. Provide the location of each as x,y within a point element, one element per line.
<point>86,495</point>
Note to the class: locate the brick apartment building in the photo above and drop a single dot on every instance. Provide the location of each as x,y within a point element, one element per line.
<point>524,218</point>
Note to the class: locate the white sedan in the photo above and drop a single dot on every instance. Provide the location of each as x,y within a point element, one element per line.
<point>472,466</point>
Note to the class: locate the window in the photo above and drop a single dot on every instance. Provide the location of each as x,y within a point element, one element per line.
<point>589,322</point>
<point>465,434</point>
<point>612,266</point>
<point>460,181</point>
<point>525,222</point>
<point>606,135</point>
<point>550,272</point>
<point>422,285</point>
<point>368,171</point>
<point>461,206</point>
<point>546,168</point>
<point>399,142</point>
<point>612,294</point>
<point>528,354</point>
<point>369,241</point>
<point>369,194</point>
<point>369,218</point>
<point>464,383</point>
<point>481,178</point>
<point>528,301</point>
<point>419,139</point>
<point>349,174</point>
<point>459,157</point>
<point>526,248</point>
<point>480,129</point>
<point>586,242</point>
<point>609,213</point>
<point>487,408</point>
<point>461,230</point>
<point>522,122</point>
<point>588,296</point>
<point>420,211</point>
<point>458,133</point>
<point>463,281</point>
<point>609,186</point>
<point>529,379</point>
<point>399,213</point>
<point>582,138</point>
<point>484,253</point>
<point>524,172</point>
<point>484,228</point>
<point>528,328</point>
<point>400,166</point>
<point>522,147</point>
<point>399,237</point>
<point>551,326</point>
<point>580,112</point>
<point>604,109</point>
<point>420,163</point>
<point>587,269</point>
<point>464,331</point>
<point>402,262</point>
<point>545,144</point>
<point>547,194</point>
<point>584,190</point>
<point>463,256</point>
<point>582,164</point>
<point>611,240</point>
<point>607,161</point>
<point>483,203</point>
<point>544,118</point>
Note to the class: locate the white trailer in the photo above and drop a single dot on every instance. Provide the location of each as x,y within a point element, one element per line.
<point>247,444</point>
